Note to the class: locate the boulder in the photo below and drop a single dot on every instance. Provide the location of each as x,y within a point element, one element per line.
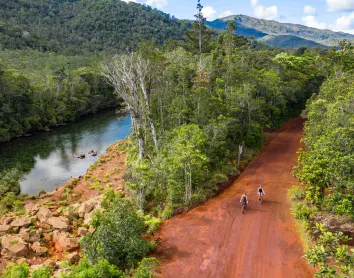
<point>43,214</point>
<point>21,222</point>
<point>59,223</point>
<point>82,231</point>
<point>18,250</point>
<point>64,242</point>
<point>31,208</point>
<point>24,235</point>
<point>88,218</point>
<point>14,246</point>
<point>74,258</point>
<point>6,220</point>
<point>5,229</point>
<point>89,205</point>
<point>49,262</point>
<point>33,237</point>
<point>38,249</point>
<point>85,208</point>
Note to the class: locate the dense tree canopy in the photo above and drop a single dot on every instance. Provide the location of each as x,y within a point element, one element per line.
<point>77,27</point>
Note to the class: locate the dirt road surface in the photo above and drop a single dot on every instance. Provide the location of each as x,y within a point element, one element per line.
<point>216,240</point>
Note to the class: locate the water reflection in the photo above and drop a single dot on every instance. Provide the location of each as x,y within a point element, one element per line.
<point>48,158</point>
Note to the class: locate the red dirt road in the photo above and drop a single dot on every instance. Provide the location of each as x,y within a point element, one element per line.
<point>216,240</point>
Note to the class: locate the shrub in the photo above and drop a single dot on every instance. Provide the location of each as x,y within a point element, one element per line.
<point>166,213</point>
<point>102,269</point>
<point>329,257</point>
<point>43,272</point>
<point>301,211</point>
<point>16,270</point>
<point>12,203</point>
<point>296,193</point>
<point>118,234</point>
<point>152,223</point>
<point>9,182</point>
<point>146,268</point>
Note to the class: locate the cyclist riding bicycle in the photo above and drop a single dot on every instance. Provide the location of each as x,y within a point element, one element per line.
<point>244,200</point>
<point>261,192</point>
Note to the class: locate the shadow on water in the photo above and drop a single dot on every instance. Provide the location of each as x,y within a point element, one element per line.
<point>48,159</point>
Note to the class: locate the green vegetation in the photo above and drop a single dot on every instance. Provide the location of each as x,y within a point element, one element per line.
<point>10,200</point>
<point>42,272</point>
<point>16,270</point>
<point>199,106</point>
<point>117,238</point>
<point>330,256</point>
<point>78,27</point>
<point>85,269</point>
<point>326,164</point>
<point>63,94</point>
<point>326,251</point>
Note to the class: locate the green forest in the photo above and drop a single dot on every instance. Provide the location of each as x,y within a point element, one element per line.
<point>194,98</point>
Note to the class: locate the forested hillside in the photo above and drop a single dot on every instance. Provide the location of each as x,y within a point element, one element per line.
<point>77,27</point>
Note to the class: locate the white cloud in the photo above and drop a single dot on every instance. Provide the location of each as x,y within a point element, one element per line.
<point>225,13</point>
<point>344,24</point>
<point>311,21</point>
<point>129,1</point>
<point>158,3</point>
<point>309,10</point>
<point>254,3</point>
<point>264,12</point>
<point>209,12</point>
<point>340,5</point>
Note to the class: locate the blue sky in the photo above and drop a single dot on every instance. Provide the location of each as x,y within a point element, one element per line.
<point>337,15</point>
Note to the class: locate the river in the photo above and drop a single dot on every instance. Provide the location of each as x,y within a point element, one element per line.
<point>48,159</point>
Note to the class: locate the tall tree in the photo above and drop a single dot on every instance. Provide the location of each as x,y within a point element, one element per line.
<point>200,19</point>
<point>128,75</point>
<point>198,36</point>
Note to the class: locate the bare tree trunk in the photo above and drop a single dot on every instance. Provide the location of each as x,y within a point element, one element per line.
<point>147,105</point>
<point>140,138</point>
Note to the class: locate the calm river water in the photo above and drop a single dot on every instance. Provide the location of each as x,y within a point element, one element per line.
<point>48,157</point>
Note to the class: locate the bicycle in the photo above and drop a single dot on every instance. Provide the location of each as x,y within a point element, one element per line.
<point>244,206</point>
<point>260,199</point>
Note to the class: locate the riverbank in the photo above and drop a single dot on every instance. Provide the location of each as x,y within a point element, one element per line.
<point>48,159</point>
<point>53,223</point>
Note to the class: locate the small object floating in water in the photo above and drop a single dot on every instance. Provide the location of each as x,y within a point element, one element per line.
<point>92,153</point>
<point>81,155</point>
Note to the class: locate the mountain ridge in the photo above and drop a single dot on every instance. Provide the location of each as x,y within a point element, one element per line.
<point>259,28</point>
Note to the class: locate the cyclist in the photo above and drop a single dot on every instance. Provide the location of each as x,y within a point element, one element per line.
<point>244,201</point>
<point>260,192</point>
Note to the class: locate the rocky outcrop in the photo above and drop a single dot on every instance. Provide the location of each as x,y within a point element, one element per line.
<point>21,222</point>
<point>73,258</point>
<point>64,242</point>
<point>13,246</point>
<point>59,223</point>
<point>43,214</point>
<point>38,249</point>
<point>80,155</point>
<point>82,231</point>
<point>31,208</point>
<point>5,229</point>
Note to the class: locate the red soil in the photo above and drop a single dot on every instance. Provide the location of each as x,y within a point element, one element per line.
<point>216,240</point>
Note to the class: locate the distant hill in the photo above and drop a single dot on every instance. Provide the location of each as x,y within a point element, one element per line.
<point>284,35</point>
<point>288,41</point>
<point>79,26</point>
